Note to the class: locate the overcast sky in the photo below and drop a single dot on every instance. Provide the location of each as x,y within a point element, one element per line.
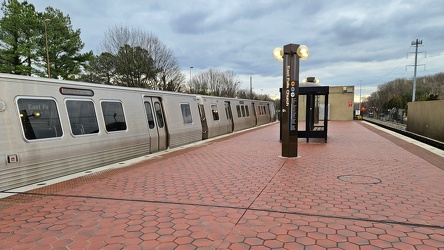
<point>362,43</point>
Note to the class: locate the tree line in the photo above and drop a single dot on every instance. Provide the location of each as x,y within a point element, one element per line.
<point>397,93</point>
<point>45,44</point>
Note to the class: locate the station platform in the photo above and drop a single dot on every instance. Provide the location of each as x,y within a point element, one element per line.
<point>364,189</point>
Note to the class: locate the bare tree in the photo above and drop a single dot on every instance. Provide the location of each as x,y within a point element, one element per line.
<point>243,94</point>
<point>199,84</point>
<point>216,83</point>
<point>168,75</point>
<point>232,85</point>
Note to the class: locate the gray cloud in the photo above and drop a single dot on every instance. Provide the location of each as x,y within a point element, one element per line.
<point>349,41</point>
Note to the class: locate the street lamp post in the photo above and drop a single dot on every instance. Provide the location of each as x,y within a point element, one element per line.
<point>190,77</point>
<point>47,49</point>
<point>290,92</point>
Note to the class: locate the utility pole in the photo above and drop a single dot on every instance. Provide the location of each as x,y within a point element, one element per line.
<point>415,43</point>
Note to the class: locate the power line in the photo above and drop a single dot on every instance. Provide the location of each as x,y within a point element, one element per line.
<point>394,68</point>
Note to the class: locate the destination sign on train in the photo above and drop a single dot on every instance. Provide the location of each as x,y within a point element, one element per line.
<point>72,91</point>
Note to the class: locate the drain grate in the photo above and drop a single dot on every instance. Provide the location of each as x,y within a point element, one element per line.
<point>359,179</point>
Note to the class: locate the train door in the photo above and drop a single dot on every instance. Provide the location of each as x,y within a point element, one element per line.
<point>203,121</point>
<point>254,113</point>
<point>230,125</point>
<point>156,124</point>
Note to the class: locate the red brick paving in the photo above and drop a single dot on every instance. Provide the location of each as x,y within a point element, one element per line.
<point>361,190</point>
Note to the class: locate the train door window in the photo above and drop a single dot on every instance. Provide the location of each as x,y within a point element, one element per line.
<point>114,116</point>
<point>243,110</point>
<point>82,117</point>
<point>149,115</point>
<point>186,113</point>
<point>247,112</point>
<point>215,112</point>
<point>238,111</point>
<point>264,111</point>
<point>159,114</point>
<point>228,111</point>
<point>40,118</point>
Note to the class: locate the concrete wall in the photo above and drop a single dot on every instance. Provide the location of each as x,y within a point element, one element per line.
<point>341,103</point>
<point>427,119</point>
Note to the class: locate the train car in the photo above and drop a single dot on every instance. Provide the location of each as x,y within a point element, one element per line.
<point>250,113</point>
<point>265,112</point>
<point>225,115</point>
<point>216,118</point>
<point>52,128</point>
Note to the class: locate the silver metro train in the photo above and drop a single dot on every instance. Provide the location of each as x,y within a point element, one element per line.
<point>51,128</point>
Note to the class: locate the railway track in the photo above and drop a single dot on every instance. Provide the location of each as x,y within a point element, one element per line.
<point>401,129</point>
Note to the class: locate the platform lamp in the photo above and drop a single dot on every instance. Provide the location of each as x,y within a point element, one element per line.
<point>47,48</point>
<point>290,92</point>
<point>311,79</point>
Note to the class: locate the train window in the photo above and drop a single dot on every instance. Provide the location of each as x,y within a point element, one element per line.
<point>186,113</point>
<point>201,112</point>
<point>149,115</point>
<point>243,110</point>
<point>215,112</point>
<point>82,117</point>
<point>40,118</point>
<point>159,114</point>
<point>238,111</point>
<point>247,111</point>
<point>114,116</point>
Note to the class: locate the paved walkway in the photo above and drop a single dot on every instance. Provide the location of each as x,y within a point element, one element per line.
<point>364,189</point>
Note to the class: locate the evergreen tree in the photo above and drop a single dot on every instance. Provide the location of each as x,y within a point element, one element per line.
<point>23,50</point>
<point>101,69</point>
<point>19,33</point>
<point>64,46</point>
